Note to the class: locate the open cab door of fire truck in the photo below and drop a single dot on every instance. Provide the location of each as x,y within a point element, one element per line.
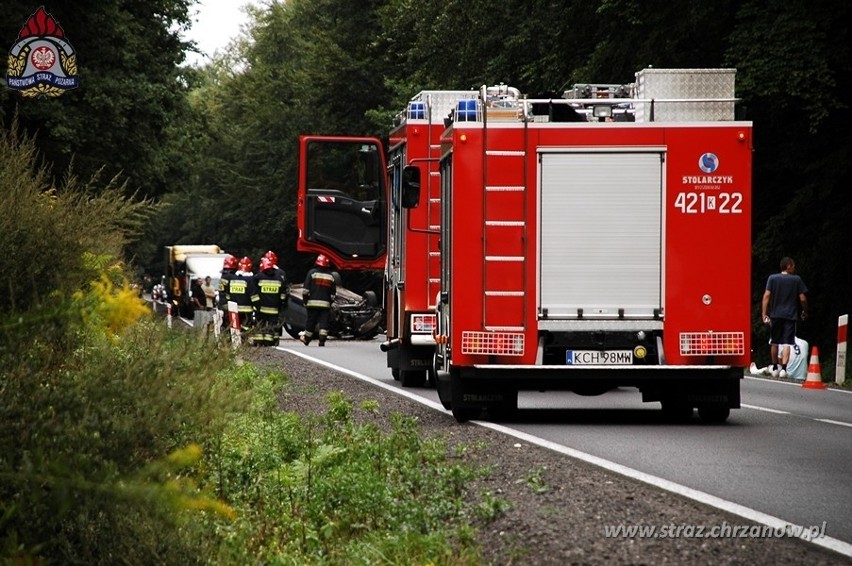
<point>342,200</point>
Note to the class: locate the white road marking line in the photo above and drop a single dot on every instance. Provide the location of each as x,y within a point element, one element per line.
<point>766,409</point>
<point>831,390</point>
<point>776,411</point>
<point>829,421</point>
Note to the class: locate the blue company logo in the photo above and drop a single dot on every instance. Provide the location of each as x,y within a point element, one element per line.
<point>708,162</point>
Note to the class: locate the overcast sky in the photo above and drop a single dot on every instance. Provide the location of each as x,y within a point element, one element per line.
<point>214,25</point>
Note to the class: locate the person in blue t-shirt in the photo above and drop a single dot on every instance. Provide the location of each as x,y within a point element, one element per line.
<point>785,292</point>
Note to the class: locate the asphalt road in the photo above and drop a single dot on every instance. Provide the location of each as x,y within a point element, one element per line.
<point>786,454</point>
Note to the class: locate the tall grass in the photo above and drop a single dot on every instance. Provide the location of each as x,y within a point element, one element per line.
<point>321,489</point>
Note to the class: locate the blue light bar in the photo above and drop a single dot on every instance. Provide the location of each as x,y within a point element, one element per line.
<point>466,110</point>
<point>416,110</point>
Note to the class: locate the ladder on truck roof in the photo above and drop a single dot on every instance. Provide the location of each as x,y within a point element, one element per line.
<point>438,105</point>
<point>505,182</point>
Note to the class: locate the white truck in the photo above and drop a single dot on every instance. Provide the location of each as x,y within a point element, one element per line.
<point>186,262</point>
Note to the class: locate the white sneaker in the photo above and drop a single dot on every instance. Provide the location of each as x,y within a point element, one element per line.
<point>775,373</point>
<point>782,374</point>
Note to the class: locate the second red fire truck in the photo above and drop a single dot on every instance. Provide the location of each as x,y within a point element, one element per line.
<point>412,271</point>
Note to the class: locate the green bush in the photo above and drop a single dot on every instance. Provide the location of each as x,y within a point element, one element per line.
<point>102,411</point>
<point>323,490</point>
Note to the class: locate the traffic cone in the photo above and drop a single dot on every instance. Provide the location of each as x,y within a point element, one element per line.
<point>814,379</point>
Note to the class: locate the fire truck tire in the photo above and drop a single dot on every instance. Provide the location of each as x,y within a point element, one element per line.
<point>445,401</point>
<point>503,412</point>
<point>431,378</point>
<point>714,414</point>
<point>412,378</point>
<point>442,384</point>
<point>676,412</point>
<point>464,414</point>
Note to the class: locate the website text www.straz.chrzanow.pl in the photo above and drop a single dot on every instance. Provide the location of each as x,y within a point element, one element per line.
<point>724,530</point>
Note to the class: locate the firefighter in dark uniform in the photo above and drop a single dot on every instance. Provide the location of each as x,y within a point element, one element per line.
<point>229,267</point>
<point>240,290</point>
<point>270,296</point>
<point>318,293</point>
<point>274,258</point>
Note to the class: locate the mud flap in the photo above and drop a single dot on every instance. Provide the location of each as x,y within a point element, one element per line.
<point>444,389</point>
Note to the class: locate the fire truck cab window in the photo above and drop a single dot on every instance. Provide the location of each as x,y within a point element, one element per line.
<point>344,197</point>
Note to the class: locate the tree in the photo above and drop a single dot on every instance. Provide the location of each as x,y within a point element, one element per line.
<point>131,92</point>
<point>795,74</point>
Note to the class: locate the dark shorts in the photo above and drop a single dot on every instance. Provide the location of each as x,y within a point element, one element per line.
<point>783,331</point>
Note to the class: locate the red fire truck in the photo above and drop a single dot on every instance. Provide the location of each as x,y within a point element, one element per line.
<point>595,242</point>
<point>412,271</point>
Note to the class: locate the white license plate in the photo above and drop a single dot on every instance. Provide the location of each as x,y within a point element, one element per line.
<point>598,357</point>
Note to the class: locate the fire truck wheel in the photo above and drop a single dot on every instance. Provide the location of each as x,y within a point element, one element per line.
<point>444,394</point>
<point>676,412</point>
<point>442,384</point>
<point>714,414</point>
<point>502,412</point>
<point>412,378</point>
<point>464,414</point>
<point>431,378</point>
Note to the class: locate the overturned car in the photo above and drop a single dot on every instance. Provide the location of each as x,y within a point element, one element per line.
<point>353,316</point>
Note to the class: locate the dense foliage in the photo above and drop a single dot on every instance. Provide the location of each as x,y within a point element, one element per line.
<point>132,93</point>
<point>101,411</point>
<point>218,144</point>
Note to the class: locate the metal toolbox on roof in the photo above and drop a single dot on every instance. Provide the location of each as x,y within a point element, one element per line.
<point>701,95</point>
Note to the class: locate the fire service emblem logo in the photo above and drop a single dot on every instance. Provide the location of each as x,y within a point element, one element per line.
<point>42,62</point>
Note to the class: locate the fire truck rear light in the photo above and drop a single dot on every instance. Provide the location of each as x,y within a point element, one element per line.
<point>492,343</point>
<point>712,343</point>
<point>422,323</point>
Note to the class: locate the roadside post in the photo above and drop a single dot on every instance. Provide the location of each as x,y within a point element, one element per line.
<point>217,323</point>
<point>234,323</point>
<point>840,367</point>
